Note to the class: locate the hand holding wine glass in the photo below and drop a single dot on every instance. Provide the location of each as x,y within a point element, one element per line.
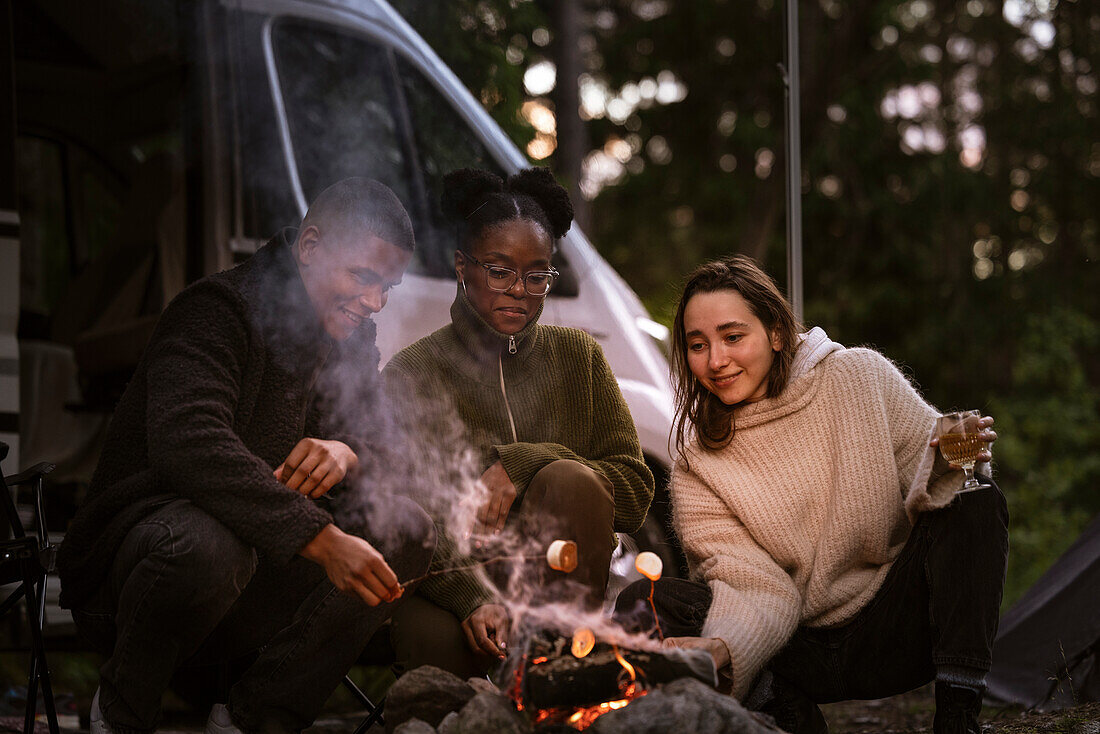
<point>963,438</point>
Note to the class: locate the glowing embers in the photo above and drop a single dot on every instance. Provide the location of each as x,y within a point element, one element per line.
<point>565,690</point>
<point>562,555</point>
<point>555,687</point>
<point>583,718</point>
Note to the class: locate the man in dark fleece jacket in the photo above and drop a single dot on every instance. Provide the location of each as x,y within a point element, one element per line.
<point>208,533</point>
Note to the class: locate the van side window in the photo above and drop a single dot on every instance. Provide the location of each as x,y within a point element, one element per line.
<point>356,108</point>
<point>340,109</point>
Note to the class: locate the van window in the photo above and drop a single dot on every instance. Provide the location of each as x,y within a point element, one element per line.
<point>355,108</point>
<point>341,114</point>
<point>46,250</point>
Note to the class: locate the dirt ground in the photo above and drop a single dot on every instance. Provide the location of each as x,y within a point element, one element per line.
<point>911,713</point>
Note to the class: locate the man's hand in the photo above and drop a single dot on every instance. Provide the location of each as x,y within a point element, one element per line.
<point>713,645</point>
<point>315,466</point>
<point>486,630</point>
<point>502,493</point>
<point>353,566</point>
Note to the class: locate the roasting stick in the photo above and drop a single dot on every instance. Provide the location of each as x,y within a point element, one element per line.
<point>561,556</point>
<point>650,565</point>
<point>479,564</point>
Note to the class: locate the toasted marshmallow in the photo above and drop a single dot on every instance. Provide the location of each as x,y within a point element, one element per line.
<point>562,555</point>
<point>583,642</point>
<point>649,565</point>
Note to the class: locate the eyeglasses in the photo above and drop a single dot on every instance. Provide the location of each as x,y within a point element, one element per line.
<point>499,278</point>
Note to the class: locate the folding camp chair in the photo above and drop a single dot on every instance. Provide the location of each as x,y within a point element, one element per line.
<point>26,559</point>
<point>374,712</point>
<point>379,652</point>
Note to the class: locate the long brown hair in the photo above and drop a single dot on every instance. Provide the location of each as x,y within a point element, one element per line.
<point>709,417</point>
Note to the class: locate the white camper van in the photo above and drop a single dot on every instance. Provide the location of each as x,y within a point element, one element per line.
<point>163,140</point>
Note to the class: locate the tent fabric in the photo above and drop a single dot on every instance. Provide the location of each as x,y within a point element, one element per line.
<point>1047,652</point>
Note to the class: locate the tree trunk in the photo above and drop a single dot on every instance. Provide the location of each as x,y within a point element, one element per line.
<point>566,19</point>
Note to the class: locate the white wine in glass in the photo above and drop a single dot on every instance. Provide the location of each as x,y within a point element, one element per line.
<point>961,442</point>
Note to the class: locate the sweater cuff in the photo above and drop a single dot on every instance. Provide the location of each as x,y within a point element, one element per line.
<point>928,491</point>
<point>298,537</point>
<point>752,635</point>
<point>522,461</point>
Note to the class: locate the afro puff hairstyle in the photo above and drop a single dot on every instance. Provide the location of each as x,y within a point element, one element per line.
<point>477,200</point>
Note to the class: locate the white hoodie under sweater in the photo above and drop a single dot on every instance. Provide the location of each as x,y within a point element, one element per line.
<point>798,520</point>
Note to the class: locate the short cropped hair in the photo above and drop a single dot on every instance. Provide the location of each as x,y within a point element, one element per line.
<point>358,205</point>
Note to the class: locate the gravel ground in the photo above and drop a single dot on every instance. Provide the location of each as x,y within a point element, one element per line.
<point>911,713</point>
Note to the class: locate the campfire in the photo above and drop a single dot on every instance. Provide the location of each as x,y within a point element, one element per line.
<point>573,681</point>
<point>559,680</point>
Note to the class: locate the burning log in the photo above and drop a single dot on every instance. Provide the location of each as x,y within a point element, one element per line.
<point>566,681</point>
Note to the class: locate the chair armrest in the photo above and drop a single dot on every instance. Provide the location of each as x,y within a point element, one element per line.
<point>26,477</point>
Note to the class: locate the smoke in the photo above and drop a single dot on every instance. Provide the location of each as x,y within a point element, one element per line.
<point>421,449</point>
<point>413,444</point>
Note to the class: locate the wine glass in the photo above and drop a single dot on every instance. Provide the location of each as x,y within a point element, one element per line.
<point>961,442</point>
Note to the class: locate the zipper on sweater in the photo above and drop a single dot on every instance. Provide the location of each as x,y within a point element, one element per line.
<point>512,345</point>
<point>504,391</point>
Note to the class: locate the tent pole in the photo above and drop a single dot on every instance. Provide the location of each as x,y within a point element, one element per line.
<point>794,162</point>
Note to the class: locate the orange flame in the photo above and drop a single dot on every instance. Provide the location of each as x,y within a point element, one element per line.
<point>582,718</point>
<point>623,662</point>
<point>515,691</point>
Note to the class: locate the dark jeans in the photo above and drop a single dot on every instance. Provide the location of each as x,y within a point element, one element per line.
<point>934,616</point>
<point>184,589</point>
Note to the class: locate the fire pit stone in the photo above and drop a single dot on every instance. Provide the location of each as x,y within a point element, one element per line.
<point>486,712</point>
<point>683,705</point>
<point>425,693</point>
<point>414,726</point>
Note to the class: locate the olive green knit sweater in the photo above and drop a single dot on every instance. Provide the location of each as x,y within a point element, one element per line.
<point>562,398</point>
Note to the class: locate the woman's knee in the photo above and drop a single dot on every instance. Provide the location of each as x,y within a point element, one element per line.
<point>570,486</point>
<point>984,510</point>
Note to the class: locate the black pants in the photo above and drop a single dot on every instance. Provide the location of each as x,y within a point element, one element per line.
<point>184,589</point>
<point>935,615</point>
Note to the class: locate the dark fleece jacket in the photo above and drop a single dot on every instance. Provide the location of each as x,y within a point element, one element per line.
<point>232,379</point>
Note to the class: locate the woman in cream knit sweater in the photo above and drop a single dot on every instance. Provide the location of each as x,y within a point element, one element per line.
<point>830,555</point>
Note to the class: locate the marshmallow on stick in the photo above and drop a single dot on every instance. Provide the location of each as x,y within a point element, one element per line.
<point>649,565</point>
<point>562,555</point>
<point>583,642</point>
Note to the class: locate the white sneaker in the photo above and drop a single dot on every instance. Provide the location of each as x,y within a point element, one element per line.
<point>96,723</point>
<point>219,721</point>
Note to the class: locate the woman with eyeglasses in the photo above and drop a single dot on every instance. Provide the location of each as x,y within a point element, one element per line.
<point>557,449</point>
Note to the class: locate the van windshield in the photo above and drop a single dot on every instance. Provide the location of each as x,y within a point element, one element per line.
<point>356,108</point>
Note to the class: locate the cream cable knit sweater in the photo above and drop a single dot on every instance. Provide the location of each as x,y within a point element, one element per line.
<point>797,521</point>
